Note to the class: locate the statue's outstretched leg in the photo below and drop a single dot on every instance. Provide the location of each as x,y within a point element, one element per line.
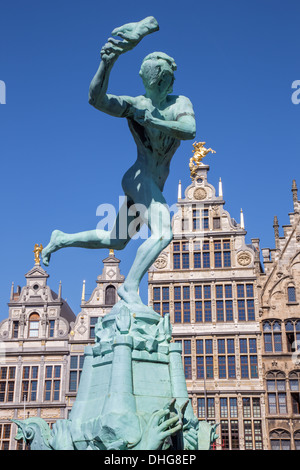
<point>157,217</point>
<point>117,238</point>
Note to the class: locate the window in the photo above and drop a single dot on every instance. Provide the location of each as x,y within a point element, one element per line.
<point>205,219</point>
<point>204,359</point>
<point>272,336</point>
<point>291,294</point>
<point>110,295</point>
<point>7,384</point>
<point>208,411</point>
<point>294,380</point>
<point>199,359</point>
<point>248,358</point>
<point>297,440</point>
<point>223,408</point>
<point>229,427</point>
<point>181,255</point>
<point>222,254</point>
<point>160,295</point>
<point>206,255</point>
<point>15,332</point>
<point>34,321</point>
<point>276,390</point>
<point>245,302</point>
<point>292,329</point>
<point>156,293</point>
<point>235,441</point>
<point>216,223</point>
<point>186,357</point>
<point>52,383</point>
<point>233,408</point>
<point>224,306</point>
<point>4,436</point>
<point>93,323</point>
<point>165,293</point>
<point>51,328</point>
<point>226,359</point>
<point>182,306</point>
<point>76,365</point>
<point>248,434</point>
<point>29,383</point>
<point>280,440</point>
<point>225,434</point>
<point>203,310</point>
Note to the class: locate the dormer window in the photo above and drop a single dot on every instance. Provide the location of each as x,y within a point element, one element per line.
<point>34,321</point>
<point>110,295</point>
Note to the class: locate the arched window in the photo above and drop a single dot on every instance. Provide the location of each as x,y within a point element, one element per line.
<point>276,389</point>
<point>110,295</point>
<point>297,440</point>
<point>280,440</point>
<point>292,329</point>
<point>294,379</point>
<point>291,294</point>
<point>272,336</point>
<point>34,321</point>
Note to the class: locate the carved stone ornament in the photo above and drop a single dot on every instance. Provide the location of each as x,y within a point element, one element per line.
<point>161,262</point>
<point>244,258</point>
<point>200,194</point>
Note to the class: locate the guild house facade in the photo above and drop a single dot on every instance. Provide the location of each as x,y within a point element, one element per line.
<point>234,307</point>
<point>42,347</point>
<point>207,280</point>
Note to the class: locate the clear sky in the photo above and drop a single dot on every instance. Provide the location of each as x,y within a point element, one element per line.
<point>61,158</point>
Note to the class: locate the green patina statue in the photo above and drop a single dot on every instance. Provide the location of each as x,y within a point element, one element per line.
<point>158,122</point>
<point>132,393</point>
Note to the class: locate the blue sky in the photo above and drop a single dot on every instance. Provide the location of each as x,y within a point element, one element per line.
<point>60,158</point>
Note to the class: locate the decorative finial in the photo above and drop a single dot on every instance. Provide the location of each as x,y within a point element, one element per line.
<point>242,222</point>
<point>220,188</point>
<point>199,153</point>
<point>37,251</point>
<point>179,190</point>
<point>59,290</point>
<point>111,252</point>
<point>83,292</point>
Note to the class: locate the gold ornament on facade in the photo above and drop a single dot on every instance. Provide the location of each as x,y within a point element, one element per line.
<point>199,153</point>
<point>37,251</point>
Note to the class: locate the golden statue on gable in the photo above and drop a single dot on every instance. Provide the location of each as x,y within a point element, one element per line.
<point>37,251</point>
<point>199,153</point>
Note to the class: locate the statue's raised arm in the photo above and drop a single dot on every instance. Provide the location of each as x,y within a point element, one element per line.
<point>131,34</point>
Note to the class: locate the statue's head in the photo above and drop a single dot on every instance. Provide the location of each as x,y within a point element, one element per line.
<point>157,72</point>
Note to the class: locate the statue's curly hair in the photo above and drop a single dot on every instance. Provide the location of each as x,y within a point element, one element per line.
<point>150,71</point>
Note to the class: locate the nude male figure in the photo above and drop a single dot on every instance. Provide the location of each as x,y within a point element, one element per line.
<point>158,122</point>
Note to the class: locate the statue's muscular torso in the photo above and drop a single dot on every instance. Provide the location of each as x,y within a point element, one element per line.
<point>155,147</point>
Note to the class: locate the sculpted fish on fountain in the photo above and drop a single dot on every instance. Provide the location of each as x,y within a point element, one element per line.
<point>132,393</point>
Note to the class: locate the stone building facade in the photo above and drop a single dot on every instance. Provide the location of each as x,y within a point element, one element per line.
<point>42,344</point>
<point>237,320</point>
<point>279,297</point>
<point>207,280</point>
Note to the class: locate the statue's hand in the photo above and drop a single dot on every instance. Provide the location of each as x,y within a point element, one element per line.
<point>190,438</point>
<point>159,428</point>
<point>143,116</point>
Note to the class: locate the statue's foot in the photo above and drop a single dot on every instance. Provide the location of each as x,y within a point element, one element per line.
<point>56,242</point>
